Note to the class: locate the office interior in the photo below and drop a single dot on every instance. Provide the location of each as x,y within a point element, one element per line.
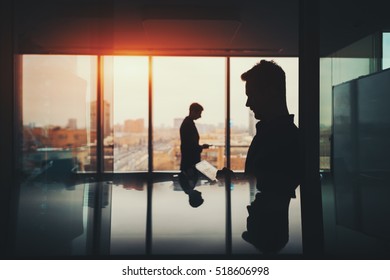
<point>116,77</point>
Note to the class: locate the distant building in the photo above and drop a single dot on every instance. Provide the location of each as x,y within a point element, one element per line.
<point>106,120</point>
<point>132,126</point>
<point>177,123</point>
<point>72,124</point>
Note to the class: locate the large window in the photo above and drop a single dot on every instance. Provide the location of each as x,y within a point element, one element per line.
<point>93,126</point>
<point>60,109</point>
<point>176,83</point>
<point>357,59</point>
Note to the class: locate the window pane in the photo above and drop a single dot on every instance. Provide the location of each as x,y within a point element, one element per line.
<point>351,108</point>
<point>57,96</point>
<point>127,79</point>
<point>346,64</point>
<point>178,82</point>
<point>386,50</point>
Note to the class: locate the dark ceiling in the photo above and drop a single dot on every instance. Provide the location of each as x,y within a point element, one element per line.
<point>206,27</point>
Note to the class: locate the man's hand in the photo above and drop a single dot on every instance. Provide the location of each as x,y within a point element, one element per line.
<point>206,146</point>
<point>224,172</point>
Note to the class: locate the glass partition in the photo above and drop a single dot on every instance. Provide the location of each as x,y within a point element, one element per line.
<point>352,92</point>
<point>58,93</point>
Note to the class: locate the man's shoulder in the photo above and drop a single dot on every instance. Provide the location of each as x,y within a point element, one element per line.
<point>187,121</point>
<point>186,124</point>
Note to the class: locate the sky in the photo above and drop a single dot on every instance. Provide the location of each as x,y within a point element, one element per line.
<point>52,83</point>
<point>179,81</point>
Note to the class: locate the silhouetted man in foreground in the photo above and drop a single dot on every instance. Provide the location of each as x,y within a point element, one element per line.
<point>273,159</point>
<point>191,154</point>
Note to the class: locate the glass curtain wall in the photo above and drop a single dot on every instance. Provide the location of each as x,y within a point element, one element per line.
<point>62,103</point>
<point>58,96</point>
<point>353,129</point>
<point>355,60</point>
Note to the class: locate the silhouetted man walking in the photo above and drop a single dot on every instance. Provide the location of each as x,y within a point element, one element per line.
<point>191,154</point>
<point>189,137</point>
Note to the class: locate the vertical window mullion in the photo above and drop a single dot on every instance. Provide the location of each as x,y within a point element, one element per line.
<point>227,153</point>
<point>150,116</point>
<point>97,217</point>
<point>227,113</point>
<point>150,160</point>
<point>99,117</point>
<point>310,188</point>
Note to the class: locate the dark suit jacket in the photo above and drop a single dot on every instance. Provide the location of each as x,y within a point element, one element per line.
<point>190,148</point>
<point>275,158</point>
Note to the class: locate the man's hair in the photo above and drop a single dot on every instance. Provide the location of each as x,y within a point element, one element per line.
<point>196,107</point>
<point>267,74</point>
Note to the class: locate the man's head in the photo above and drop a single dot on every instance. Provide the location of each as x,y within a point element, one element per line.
<point>265,88</point>
<point>195,199</point>
<point>195,111</point>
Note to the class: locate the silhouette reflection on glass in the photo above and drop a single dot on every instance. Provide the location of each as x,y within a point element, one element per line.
<point>188,183</point>
<point>55,208</point>
<point>190,154</point>
<point>50,212</point>
<point>267,223</point>
<point>273,160</point>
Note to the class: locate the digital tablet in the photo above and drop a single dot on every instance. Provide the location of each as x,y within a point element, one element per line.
<point>207,169</point>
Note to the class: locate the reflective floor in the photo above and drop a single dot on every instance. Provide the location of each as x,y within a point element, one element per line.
<point>58,219</point>
<point>362,231</point>
<point>178,228</point>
